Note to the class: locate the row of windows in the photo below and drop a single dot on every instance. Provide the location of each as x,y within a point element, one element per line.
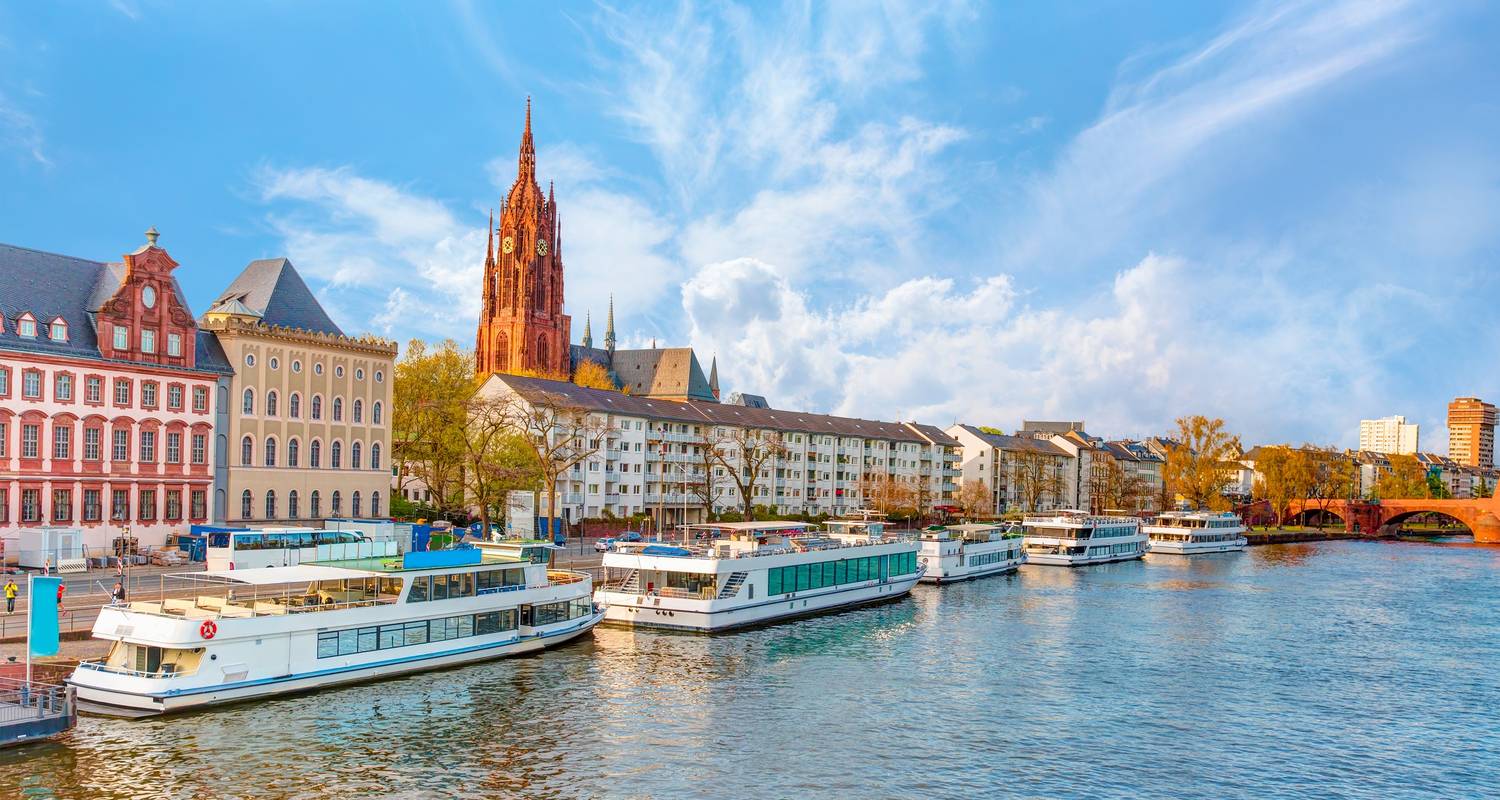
<point>63,509</point>
<point>315,409</point>
<point>463,584</point>
<point>338,370</point>
<point>63,385</point>
<point>294,505</point>
<point>121,341</point>
<point>386,637</point>
<point>1116,549</point>
<point>314,454</point>
<point>993,558</point>
<point>802,577</point>
<point>119,442</point>
<point>26,327</point>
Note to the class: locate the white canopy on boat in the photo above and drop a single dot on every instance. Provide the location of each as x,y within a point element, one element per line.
<point>264,576</point>
<point>750,526</point>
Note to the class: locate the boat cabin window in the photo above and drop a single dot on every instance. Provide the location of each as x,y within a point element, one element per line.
<point>464,584</point>
<point>151,660</point>
<point>351,641</point>
<point>549,613</point>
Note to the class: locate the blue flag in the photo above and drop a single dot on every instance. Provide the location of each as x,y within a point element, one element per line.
<point>44,629</point>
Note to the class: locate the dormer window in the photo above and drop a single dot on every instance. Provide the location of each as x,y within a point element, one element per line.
<point>26,326</point>
<point>122,337</point>
<point>59,330</point>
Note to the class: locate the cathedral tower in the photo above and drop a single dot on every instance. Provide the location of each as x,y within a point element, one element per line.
<point>522,327</point>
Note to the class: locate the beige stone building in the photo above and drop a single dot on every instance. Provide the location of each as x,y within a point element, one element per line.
<point>308,436</point>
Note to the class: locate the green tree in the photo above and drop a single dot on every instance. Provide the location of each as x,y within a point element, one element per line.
<point>428,417</point>
<point>1405,479</point>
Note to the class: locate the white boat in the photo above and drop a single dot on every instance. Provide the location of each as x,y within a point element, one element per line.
<point>1070,538</point>
<point>732,574</point>
<point>232,635</point>
<point>963,552</point>
<point>1190,532</point>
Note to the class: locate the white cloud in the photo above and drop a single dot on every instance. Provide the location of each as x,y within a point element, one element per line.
<point>21,131</point>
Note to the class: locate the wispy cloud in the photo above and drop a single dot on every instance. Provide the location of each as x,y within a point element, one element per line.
<point>20,131</point>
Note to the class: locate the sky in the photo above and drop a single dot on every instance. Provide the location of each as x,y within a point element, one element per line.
<point>1283,214</point>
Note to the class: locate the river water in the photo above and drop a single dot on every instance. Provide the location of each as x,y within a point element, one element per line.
<point>1336,669</point>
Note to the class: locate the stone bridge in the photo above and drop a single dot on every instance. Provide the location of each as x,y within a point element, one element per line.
<point>1482,516</point>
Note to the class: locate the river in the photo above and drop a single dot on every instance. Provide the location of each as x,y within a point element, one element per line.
<point>1335,669</point>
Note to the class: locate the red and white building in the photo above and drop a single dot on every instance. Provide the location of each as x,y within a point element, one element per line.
<point>108,396</point>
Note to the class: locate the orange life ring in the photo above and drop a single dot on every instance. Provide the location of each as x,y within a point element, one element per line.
<point>208,629</point>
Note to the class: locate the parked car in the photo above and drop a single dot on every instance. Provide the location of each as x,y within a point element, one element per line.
<point>607,544</point>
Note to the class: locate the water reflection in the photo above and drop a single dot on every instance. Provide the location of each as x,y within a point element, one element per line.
<point>1346,668</point>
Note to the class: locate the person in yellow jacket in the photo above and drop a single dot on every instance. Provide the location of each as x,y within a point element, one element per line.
<point>10,596</point>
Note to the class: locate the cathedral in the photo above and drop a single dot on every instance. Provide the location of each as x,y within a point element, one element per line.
<point>522,327</point>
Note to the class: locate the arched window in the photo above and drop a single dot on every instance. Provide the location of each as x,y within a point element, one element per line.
<point>375,455</point>
<point>338,503</point>
<point>317,504</point>
<point>247,451</point>
<point>291,454</point>
<point>374,504</point>
<point>294,406</point>
<point>245,500</point>
<point>354,504</point>
<point>375,413</point>
<point>270,452</point>
<point>541,352</point>
<point>338,409</point>
<point>336,455</point>
<point>315,455</point>
<point>271,403</point>
<point>291,505</point>
<point>359,411</point>
<point>354,456</point>
<point>317,406</point>
<point>248,406</point>
<point>271,504</point>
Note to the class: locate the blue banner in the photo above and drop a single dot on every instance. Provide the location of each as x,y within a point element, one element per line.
<point>44,629</point>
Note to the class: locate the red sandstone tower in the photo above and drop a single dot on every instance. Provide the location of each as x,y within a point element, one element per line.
<point>522,327</point>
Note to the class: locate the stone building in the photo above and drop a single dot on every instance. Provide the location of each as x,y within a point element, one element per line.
<point>308,430</point>
<point>107,397</point>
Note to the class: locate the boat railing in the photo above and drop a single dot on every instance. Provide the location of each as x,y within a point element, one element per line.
<point>721,552</point>
<point>559,577</point>
<point>210,607</point>
<point>100,666</point>
<point>21,700</point>
<point>706,593</point>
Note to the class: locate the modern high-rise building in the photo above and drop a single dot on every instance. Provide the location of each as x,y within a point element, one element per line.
<point>1388,435</point>
<point>1471,432</point>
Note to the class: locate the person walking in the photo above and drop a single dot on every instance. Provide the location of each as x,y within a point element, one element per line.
<point>61,588</point>
<point>10,595</point>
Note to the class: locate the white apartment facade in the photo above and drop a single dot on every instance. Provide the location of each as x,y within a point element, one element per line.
<point>1390,435</point>
<point>992,458</point>
<point>653,457</point>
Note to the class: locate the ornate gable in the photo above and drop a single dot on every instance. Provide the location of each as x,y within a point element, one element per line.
<point>144,318</point>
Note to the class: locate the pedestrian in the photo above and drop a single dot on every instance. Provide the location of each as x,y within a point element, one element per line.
<point>117,596</point>
<point>60,589</point>
<point>47,566</point>
<point>10,595</point>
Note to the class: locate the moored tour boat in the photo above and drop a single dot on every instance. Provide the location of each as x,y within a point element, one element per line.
<point>1191,532</point>
<point>232,635</point>
<point>963,552</point>
<point>1070,538</point>
<point>732,574</point>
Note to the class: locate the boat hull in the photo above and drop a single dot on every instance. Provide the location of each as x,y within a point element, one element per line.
<point>116,701</point>
<point>1196,548</point>
<point>983,572</point>
<point>667,613</point>
<point>1060,560</point>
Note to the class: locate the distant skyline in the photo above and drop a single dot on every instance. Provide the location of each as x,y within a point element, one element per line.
<point>1285,214</point>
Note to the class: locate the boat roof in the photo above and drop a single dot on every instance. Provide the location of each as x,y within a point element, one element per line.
<point>976,526</point>
<point>264,576</point>
<point>751,526</point>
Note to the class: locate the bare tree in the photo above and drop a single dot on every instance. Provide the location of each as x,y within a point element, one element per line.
<point>558,433</point>
<point>702,481</point>
<point>742,452</point>
<point>974,498</point>
<point>891,495</point>
<point>1117,488</point>
<point>1036,476</point>
<point>495,458</point>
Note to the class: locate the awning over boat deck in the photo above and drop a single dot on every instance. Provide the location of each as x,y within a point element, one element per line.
<point>264,576</point>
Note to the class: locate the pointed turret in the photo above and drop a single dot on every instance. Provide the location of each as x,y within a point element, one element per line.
<point>713,376</point>
<point>609,328</point>
<point>528,148</point>
<point>588,333</point>
<point>489,241</point>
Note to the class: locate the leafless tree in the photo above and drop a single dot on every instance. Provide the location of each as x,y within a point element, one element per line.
<point>742,452</point>
<point>1036,476</point>
<point>558,433</point>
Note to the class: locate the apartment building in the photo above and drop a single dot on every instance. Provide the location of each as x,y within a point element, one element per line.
<point>1471,432</point>
<point>1388,435</point>
<point>654,456</point>
<point>1023,473</point>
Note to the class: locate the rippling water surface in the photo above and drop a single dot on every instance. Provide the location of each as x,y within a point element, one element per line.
<point>1342,669</point>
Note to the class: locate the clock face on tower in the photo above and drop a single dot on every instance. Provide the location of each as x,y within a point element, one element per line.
<point>541,247</point>
<point>507,244</point>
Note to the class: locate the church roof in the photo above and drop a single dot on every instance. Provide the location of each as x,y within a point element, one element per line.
<point>271,288</point>
<point>662,372</point>
<point>541,390</point>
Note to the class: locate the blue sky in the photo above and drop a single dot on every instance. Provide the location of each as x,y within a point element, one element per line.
<point>1280,213</point>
